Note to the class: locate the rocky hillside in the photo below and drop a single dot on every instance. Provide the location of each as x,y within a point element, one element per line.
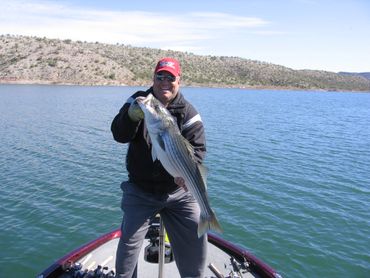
<point>51,61</point>
<point>363,74</point>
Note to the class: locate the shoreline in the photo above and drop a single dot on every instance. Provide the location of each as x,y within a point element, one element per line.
<point>10,81</point>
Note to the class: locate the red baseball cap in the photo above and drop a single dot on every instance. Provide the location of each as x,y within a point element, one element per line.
<point>168,64</point>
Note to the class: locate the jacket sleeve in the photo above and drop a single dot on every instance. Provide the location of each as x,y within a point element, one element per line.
<point>123,128</point>
<point>193,131</point>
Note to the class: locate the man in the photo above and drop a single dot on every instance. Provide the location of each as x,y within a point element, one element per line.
<point>150,189</point>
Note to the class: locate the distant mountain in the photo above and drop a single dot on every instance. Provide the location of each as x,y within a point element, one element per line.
<point>50,61</point>
<point>363,74</point>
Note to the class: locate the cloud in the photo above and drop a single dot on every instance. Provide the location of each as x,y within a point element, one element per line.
<point>226,21</point>
<point>181,31</point>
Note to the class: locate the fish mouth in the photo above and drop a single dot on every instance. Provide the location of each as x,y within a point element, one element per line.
<point>141,99</point>
<point>146,103</point>
<point>144,100</point>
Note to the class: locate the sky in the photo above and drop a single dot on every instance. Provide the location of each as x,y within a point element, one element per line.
<point>330,35</point>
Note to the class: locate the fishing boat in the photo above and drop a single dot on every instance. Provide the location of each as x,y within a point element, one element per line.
<point>96,259</point>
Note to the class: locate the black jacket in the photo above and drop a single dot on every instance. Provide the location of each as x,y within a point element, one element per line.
<point>139,163</point>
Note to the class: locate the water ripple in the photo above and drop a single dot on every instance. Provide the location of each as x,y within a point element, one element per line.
<point>288,174</point>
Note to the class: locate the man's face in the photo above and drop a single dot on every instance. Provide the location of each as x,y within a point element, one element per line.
<point>165,86</point>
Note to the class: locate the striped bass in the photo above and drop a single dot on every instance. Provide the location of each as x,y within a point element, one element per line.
<point>177,156</point>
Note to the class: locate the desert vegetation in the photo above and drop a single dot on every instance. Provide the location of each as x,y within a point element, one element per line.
<point>52,61</point>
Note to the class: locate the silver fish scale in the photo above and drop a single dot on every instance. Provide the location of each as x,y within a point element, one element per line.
<point>186,167</point>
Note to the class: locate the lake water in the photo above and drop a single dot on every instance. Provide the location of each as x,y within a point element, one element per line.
<point>289,174</point>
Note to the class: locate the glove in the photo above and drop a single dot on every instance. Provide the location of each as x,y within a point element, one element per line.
<point>134,112</point>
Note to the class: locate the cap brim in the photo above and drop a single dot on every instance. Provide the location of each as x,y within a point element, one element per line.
<point>170,70</point>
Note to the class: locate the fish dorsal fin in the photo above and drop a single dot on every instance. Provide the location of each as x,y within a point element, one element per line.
<point>189,148</point>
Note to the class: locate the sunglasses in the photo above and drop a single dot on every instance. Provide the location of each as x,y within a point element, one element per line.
<point>169,78</point>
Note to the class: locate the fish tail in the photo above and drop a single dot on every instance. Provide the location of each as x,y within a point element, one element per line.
<point>208,223</point>
<point>214,224</point>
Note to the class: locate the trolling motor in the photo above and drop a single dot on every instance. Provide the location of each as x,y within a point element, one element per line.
<point>158,246</point>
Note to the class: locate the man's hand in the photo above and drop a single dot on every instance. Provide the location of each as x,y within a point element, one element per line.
<point>181,182</point>
<point>134,112</point>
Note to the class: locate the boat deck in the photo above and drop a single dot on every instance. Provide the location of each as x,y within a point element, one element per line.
<point>106,255</point>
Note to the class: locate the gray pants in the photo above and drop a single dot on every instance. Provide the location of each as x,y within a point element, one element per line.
<point>180,214</point>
